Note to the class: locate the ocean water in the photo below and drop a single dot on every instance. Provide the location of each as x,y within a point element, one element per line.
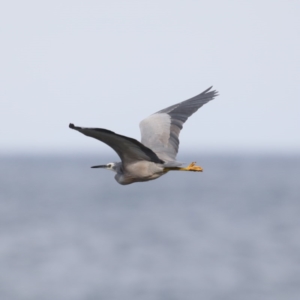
<point>71,232</point>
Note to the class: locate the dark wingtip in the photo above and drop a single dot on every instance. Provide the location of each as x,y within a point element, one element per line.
<point>71,125</point>
<point>212,93</point>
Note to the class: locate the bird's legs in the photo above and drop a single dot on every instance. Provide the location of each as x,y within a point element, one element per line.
<point>190,167</point>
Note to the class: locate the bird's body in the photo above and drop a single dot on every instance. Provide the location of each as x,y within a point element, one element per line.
<point>156,154</point>
<point>139,171</point>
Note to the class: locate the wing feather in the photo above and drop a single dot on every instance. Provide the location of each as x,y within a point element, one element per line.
<point>160,131</point>
<point>128,149</point>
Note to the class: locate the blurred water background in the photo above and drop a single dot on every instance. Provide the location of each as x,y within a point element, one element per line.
<point>71,232</point>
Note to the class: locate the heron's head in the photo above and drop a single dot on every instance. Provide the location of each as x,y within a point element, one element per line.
<point>109,166</point>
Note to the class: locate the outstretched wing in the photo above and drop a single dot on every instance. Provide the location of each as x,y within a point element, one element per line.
<point>128,149</point>
<point>160,131</point>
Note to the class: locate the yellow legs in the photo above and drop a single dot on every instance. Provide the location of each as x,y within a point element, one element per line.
<point>191,167</point>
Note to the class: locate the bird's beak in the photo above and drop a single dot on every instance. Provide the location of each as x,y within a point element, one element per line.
<point>101,166</point>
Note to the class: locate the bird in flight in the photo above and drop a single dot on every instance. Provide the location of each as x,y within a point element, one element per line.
<point>156,154</point>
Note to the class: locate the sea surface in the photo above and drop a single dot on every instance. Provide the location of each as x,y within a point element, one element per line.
<point>71,232</point>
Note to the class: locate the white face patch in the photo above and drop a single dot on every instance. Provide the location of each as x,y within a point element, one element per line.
<point>110,166</point>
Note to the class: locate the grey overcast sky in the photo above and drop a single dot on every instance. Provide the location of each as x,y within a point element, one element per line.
<point>109,64</point>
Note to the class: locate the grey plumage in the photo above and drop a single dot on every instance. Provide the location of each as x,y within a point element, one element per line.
<point>160,131</point>
<point>156,154</point>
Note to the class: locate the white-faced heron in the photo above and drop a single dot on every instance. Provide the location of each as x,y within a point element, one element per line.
<point>156,154</point>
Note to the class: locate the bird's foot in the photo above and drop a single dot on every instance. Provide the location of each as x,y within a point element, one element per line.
<point>193,168</point>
